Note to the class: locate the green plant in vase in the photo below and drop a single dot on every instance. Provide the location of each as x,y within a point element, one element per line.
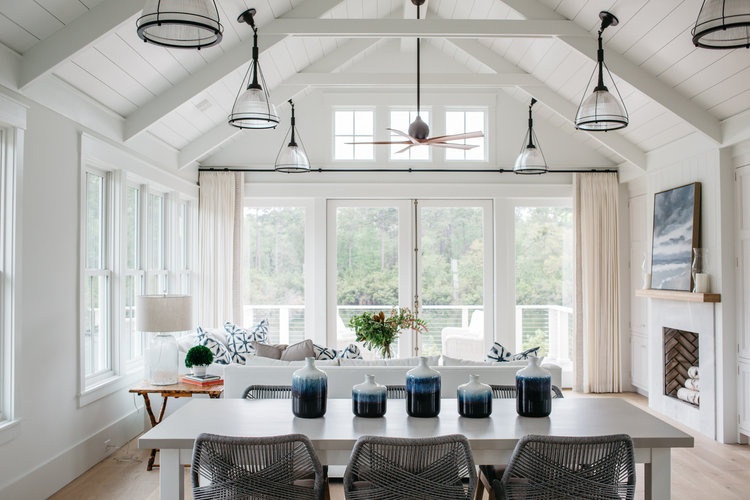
<point>198,358</point>
<point>377,332</point>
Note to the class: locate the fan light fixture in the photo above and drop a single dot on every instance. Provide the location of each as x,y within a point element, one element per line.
<point>602,110</point>
<point>184,24</point>
<point>531,160</point>
<point>722,25</point>
<point>292,157</point>
<point>252,107</point>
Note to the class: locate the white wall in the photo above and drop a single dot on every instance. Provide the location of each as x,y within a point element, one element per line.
<point>57,440</point>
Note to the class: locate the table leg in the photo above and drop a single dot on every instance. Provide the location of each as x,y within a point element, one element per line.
<point>171,480</point>
<point>659,475</point>
<point>154,421</point>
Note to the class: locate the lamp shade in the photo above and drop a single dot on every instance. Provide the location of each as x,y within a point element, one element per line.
<point>722,24</point>
<point>253,110</point>
<point>530,161</point>
<point>188,24</point>
<point>164,313</point>
<point>292,159</point>
<point>601,111</point>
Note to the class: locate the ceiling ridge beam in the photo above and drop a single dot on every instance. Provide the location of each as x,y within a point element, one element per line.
<point>161,105</point>
<point>645,82</point>
<point>54,50</point>
<point>467,80</point>
<point>615,142</point>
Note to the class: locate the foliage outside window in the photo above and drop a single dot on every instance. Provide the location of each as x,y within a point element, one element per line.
<point>462,122</point>
<point>353,126</point>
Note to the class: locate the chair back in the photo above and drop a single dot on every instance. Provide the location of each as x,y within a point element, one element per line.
<point>401,468</point>
<point>268,392</point>
<point>395,391</point>
<point>509,391</point>
<point>555,467</point>
<point>279,467</point>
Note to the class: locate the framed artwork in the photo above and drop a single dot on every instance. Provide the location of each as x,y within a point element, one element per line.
<point>677,217</point>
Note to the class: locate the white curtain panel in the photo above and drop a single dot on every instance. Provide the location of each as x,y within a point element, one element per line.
<point>597,310</point>
<point>220,215</point>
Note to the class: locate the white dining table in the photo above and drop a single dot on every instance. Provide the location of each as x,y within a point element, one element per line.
<point>492,439</point>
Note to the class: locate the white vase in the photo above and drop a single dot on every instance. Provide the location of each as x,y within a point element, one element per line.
<point>422,391</point>
<point>199,370</point>
<point>474,398</point>
<point>534,390</point>
<point>309,391</point>
<point>369,398</point>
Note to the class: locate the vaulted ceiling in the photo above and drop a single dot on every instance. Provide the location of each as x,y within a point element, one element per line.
<point>543,48</point>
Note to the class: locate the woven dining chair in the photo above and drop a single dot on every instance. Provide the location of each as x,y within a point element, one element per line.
<point>437,468</point>
<point>277,467</point>
<point>489,473</point>
<point>556,467</point>
<point>268,392</point>
<point>395,391</point>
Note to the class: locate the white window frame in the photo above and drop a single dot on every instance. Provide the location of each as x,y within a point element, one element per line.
<point>158,274</point>
<point>334,135</point>
<point>12,130</point>
<point>469,109</point>
<point>138,272</point>
<point>183,271</point>
<point>392,136</point>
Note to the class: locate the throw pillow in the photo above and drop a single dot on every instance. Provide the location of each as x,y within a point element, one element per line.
<point>299,351</point>
<point>351,352</point>
<point>273,351</point>
<point>219,350</point>
<point>325,352</point>
<point>239,340</point>
<point>498,353</point>
<point>534,351</point>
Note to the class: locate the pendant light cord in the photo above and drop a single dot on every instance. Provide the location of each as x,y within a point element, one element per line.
<point>531,125</point>
<point>292,142</point>
<point>418,69</point>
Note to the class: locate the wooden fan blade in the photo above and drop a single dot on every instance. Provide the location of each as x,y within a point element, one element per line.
<point>381,142</point>
<point>465,147</point>
<point>398,132</point>
<point>405,149</point>
<point>456,137</point>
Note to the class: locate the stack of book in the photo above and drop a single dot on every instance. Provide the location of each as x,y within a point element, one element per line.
<point>202,380</point>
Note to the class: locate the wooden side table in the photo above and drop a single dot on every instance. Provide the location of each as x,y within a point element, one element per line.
<point>178,390</point>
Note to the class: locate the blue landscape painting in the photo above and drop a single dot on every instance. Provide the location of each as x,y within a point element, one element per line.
<point>676,220</point>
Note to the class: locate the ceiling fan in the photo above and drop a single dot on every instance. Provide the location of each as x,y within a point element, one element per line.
<point>419,131</point>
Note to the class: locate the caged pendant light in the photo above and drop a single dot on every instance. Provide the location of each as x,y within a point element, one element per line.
<point>531,160</point>
<point>184,24</point>
<point>292,157</point>
<point>602,110</point>
<point>722,24</point>
<point>252,107</point>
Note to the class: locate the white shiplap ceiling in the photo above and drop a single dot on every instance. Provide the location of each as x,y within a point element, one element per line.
<point>182,97</point>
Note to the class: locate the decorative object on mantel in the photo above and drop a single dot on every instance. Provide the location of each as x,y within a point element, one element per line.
<point>163,315</point>
<point>683,296</point>
<point>180,24</point>
<point>253,107</point>
<point>422,391</point>
<point>377,332</point>
<point>292,158</point>
<point>722,24</point>
<point>534,390</point>
<point>474,398</point>
<point>698,270</point>
<point>198,358</point>
<point>677,217</point>
<point>309,391</point>
<point>369,398</point>
<point>602,110</point>
<point>531,160</point>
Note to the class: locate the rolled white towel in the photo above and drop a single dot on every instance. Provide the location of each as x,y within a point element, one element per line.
<point>689,396</point>
<point>693,372</point>
<point>694,384</point>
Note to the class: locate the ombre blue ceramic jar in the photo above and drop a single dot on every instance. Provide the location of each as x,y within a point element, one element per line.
<point>369,398</point>
<point>474,398</point>
<point>533,390</point>
<point>309,391</point>
<point>422,391</point>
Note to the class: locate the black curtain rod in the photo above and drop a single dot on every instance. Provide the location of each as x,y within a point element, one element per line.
<point>410,170</point>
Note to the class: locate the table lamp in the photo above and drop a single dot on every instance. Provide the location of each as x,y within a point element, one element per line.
<point>162,315</point>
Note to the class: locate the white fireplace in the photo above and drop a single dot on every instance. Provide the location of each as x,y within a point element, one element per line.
<point>691,317</point>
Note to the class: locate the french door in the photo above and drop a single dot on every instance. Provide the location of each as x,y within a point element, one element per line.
<point>433,256</point>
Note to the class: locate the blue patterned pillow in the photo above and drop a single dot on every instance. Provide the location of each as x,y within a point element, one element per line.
<point>498,353</point>
<point>239,340</point>
<point>534,352</point>
<point>219,350</point>
<point>324,352</point>
<point>351,352</point>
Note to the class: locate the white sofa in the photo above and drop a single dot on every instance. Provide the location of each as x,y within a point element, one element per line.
<point>342,378</point>
<point>465,343</point>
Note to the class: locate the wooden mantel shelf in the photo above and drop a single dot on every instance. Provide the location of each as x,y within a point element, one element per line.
<point>677,295</point>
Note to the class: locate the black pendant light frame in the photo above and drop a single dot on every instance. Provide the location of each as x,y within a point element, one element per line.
<point>617,121</point>
<point>255,80</point>
<point>733,23</point>
<point>531,137</point>
<point>293,134</point>
<point>207,23</point>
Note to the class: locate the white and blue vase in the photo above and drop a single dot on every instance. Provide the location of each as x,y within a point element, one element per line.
<point>533,390</point>
<point>309,391</point>
<point>369,398</point>
<point>474,398</point>
<point>422,391</point>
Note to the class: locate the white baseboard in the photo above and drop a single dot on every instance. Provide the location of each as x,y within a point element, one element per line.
<point>50,476</point>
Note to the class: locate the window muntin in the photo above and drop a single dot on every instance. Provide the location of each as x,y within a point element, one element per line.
<point>400,120</point>
<point>157,274</point>
<point>462,122</point>
<point>353,126</point>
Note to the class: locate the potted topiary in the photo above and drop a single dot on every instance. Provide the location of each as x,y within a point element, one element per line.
<point>198,358</point>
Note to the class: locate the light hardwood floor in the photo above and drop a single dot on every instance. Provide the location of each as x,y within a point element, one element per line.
<point>710,470</point>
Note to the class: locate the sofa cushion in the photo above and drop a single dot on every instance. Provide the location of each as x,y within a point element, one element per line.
<point>273,351</point>
<point>260,361</point>
<point>351,352</point>
<point>299,351</point>
<point>448,361</point>
<point>239,340</point>
<point>219,350</point>
<point>325,352</point>
<point>431,360</point>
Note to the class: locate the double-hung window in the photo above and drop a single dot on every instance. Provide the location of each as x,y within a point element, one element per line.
<point>156,274</point>
<point>183,247</point>
<point>350,127</point>
<point>97,276</point>
<point>463,122</point>
<point>133,273</point>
